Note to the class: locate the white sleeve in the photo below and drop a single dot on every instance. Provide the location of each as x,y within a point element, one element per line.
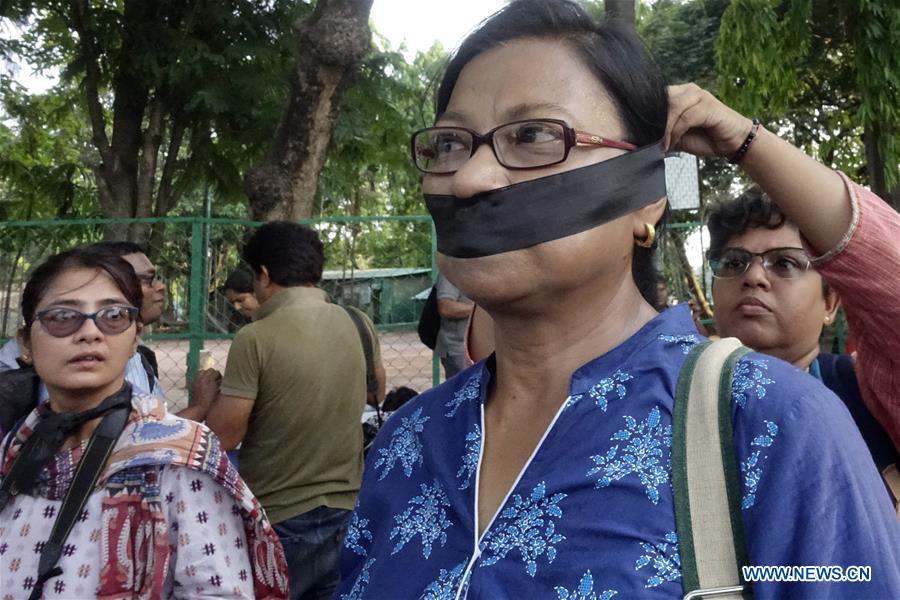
<point>210,557</point>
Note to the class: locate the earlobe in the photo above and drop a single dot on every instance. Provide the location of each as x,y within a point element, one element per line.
<point>832,304</point>
<point>652,213</point>
<point>139,329</point>
<point>24,345</point>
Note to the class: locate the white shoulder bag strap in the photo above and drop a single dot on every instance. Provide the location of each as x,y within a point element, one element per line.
<point>705,475</point>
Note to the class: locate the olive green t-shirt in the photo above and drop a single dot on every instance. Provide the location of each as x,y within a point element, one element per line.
<point>301,362</point>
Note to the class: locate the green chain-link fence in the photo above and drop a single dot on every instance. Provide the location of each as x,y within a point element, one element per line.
<point>194,256</point>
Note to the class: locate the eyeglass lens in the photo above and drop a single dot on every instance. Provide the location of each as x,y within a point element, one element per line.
<point>786,263</point>
<point>523,144</point>
<point>111,320</point>
<point>148,279</point>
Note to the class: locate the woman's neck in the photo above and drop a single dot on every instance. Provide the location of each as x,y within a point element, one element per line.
<point>537,352</point>
<point>66,400</point>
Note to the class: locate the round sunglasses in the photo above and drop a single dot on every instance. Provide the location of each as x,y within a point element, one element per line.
<point>63,322</point>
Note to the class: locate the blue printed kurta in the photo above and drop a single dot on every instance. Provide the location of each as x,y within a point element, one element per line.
<point>592,514</point>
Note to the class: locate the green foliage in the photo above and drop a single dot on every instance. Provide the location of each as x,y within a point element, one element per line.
<point>682,35</point>
<point>368,171</point>
<point>821,72</point>
<point>218,69</point>
<point>760,48</point>
<point>877,69</point>
<point>42,146</point>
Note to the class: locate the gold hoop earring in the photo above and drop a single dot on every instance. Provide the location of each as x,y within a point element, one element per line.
<point>647,242</point>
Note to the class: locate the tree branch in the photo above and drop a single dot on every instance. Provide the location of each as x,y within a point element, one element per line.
<point>149,157</point>
<point>88,54</point>
<point>165,200</point>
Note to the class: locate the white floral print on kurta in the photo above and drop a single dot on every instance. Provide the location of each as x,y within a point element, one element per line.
<point>686,341</point>
<point>426,516</point>
<point>470,458</point>
<point>360,583</point>
<point>608,385</point>
<point>446,586</point>
<point>526,526</point>
<point>664,559</point>
<point>646,455</point>
<point>749,378</point>
<point>404,446</point>
<point>751,467</point>
<point>470,391</point>
<point>356,533</point>
<point>584,591</point>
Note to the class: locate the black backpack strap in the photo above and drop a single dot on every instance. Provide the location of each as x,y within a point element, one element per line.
<point>89,468</point>
<point>430,320</point>
<point>19,389</point>
<point>368,350</point>
<point>148,361</point>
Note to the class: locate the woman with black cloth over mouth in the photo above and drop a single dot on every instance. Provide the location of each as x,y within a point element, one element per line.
<point>545,471</point>
<point>103,493</point>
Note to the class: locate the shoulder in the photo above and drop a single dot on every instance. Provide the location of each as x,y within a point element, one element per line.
<point>781,410</point>
<point>249,332</point>
<point>153,436</point>
<point>458,394</point>
<point>763,383</point>
<point>249,339</point>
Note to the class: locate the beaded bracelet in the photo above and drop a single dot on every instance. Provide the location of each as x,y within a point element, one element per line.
<point>737,156</point>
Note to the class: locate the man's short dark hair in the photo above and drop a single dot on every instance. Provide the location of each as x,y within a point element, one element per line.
<point>292,253</point>
<point>731,218</point>
<point>116,248</point>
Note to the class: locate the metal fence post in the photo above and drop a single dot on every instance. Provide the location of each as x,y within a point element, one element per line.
<point>191,324</point>
<point>196,300</point>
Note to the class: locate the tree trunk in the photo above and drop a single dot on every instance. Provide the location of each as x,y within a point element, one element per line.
<point>621,10</point>
<point>875,166</point>
<point>330,45</point>
<point>129,183</point>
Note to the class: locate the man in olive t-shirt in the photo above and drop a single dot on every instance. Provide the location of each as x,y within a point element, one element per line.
<point>293,393</point>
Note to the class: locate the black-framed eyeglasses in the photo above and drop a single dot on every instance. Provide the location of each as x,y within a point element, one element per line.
<point>148,279</point>
<point>528,144</point>
<point>786,263</point>
<point>63,322</point>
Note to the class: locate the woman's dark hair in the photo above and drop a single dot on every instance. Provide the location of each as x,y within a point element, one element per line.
<point>613,53</point>
<point>116,248</point>
<point>118,269</point>
<point>240,280</point>
<point>397,397</point>
<point>731,218</point>
<point>292,253</point>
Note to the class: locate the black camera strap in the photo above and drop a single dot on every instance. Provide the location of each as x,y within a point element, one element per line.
<point>41,446</point>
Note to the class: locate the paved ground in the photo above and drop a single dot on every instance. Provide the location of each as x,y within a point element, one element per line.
<point>406,360</point>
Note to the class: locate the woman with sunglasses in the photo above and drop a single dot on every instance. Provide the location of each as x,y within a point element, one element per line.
<point>545,471</point>
<point>103,493</point>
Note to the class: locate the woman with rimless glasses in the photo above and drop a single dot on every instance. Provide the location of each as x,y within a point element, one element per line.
<point>546,470</point>
<point>102,493</point>
<point>775,293</point>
